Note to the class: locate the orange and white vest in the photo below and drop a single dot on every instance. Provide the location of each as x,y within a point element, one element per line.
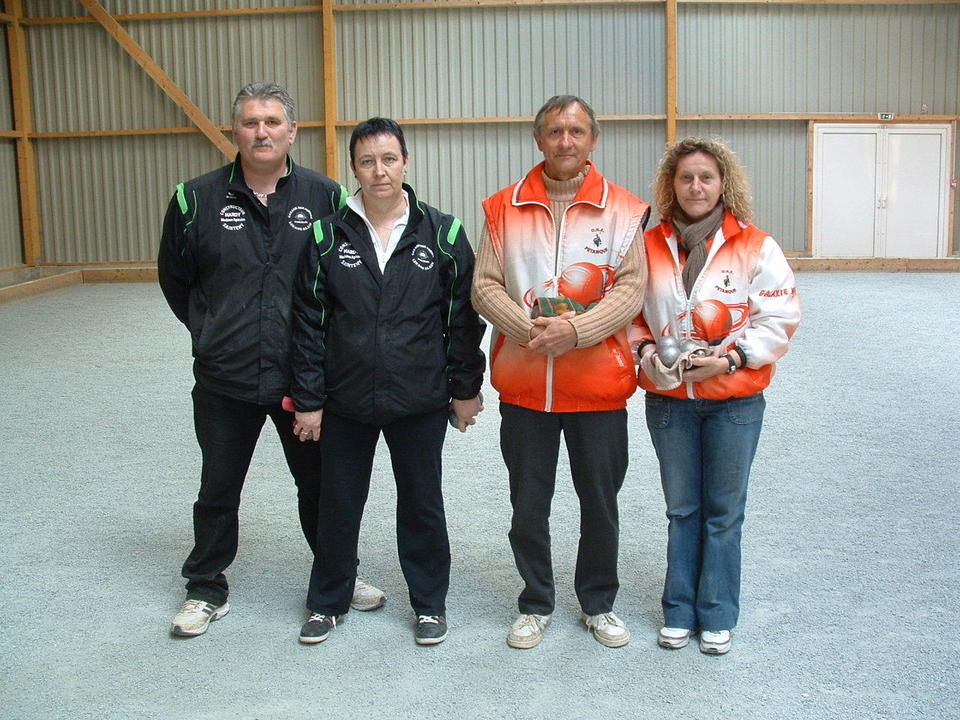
<point>745,295</point>
<point>596,231</point>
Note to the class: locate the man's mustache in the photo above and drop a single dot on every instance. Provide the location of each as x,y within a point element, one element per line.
<point>262,143</point>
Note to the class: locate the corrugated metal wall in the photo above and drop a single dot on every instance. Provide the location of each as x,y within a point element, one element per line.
<point>67,8</point>
<point>11,241</point>
<point>802,58</point>
<point>499,62</point>
<point>115,213</point>
<point>102,199</point>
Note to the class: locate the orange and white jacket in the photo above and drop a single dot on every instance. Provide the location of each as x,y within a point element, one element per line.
<point>595,233</point>
<point>746,295</point>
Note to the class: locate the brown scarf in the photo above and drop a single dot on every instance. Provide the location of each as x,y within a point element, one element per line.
<point>693,237</point>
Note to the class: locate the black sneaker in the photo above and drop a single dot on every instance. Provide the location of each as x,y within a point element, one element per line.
<point>431,629</point>
<point>316,628</point>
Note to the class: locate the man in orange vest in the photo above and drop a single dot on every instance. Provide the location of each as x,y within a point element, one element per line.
<point>560,274</point>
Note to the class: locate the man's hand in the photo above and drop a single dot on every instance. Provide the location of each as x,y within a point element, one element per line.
<point>466,411</point>
<point>306,425</point>
<point>553,335</point>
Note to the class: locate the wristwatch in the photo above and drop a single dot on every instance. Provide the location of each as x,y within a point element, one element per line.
<point>733,365</point>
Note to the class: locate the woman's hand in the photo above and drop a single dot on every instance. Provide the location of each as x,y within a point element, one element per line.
<point>706,367</point>
<point>466,411</point>
<point>306,425</point>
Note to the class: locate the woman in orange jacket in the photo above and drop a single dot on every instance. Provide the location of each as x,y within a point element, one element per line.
<point>722,290</point>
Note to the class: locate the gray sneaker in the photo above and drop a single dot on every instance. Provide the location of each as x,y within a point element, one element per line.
<point>316,628</point>
<point>366,597</point>
<point>430,630</point>
<point>195,616</point>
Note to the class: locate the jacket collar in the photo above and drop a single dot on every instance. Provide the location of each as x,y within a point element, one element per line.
<point>533,190</point>
<point>237,181</point>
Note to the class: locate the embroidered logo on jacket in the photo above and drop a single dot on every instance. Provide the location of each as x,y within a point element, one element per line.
<point>422,256</point>
<point>726,283</point>
<point>233,217</point>
<point>348,256</point>
<point>300,218</point>
<point>596,243</point>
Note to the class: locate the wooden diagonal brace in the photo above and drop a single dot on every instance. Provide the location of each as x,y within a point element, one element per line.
<point>166,83</point>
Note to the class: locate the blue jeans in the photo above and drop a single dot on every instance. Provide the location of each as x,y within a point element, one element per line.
<point>705,448</point>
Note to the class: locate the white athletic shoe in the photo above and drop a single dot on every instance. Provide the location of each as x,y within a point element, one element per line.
<point>673,638</point>
<point>608,629</point>
<point>195,616</point>
<point>367,597</point>
<point>715,643</point>
<point>527,630</point>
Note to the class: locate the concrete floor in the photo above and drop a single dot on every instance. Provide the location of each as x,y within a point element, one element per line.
<point>851,573</point>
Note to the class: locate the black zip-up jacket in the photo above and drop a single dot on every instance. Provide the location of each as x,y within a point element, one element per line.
<point>227,265</point>
<point>377,347</point>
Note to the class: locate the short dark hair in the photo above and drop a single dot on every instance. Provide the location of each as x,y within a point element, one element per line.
<point>265,91</point>
<point>562,102</point>
<point>377,126</point>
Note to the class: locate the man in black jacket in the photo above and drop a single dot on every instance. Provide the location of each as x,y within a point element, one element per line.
<point>385,341</point>
<point>232,241</point>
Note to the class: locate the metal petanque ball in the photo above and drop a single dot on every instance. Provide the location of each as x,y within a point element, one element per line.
<point>668,350</point>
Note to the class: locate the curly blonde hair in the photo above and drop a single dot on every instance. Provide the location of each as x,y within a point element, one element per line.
<point>736,188</point>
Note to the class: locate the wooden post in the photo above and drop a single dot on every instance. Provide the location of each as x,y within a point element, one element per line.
<point>331,164</point>
<point>158,75</point>
<point>670,26</point>
<point>23,125</point>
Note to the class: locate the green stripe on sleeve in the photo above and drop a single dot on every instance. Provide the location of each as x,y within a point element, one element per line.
<point>454,230</point>
<point>318,232</point>
<point>342,200</point>
<point>182,199</point>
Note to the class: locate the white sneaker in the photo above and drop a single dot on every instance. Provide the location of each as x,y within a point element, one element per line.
<point>367,597</point>
<point>673,638</point>
<point>527,630</point>
<point>715,643</point>
<point>608,629</point>
<point>195,616</point>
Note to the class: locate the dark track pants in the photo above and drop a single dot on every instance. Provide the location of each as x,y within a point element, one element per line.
<point>597,446</point>
<point>416,445</point>
<point>227,431</point>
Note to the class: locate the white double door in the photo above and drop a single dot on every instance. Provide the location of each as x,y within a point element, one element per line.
<point>880,190</point>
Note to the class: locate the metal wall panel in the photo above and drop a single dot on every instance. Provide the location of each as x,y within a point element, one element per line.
<point>454,167</point>
<point>72,8</point>
<point>210,59</point>
<point>813,58</point>
<point>775,157</point>
<point>103,199</point>
<point>11,239</point>
<point>498,62</point>
<point>6,104</point>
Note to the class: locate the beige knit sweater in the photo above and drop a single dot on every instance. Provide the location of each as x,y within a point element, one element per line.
<point>617,308</point>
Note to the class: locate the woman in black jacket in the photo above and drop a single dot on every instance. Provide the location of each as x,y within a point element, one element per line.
<point>385,340</point>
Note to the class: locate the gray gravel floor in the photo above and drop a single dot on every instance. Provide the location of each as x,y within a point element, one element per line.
<point>850,546</point>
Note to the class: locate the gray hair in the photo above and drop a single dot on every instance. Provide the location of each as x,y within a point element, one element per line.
<point>265,91</point>
<point>562,102</point>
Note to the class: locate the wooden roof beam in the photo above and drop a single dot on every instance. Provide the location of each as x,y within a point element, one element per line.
<point>157,74</point>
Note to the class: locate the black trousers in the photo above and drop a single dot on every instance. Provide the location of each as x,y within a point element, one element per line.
<point>416,445</point>
<point>227,431</point>
<point>597,446</point>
